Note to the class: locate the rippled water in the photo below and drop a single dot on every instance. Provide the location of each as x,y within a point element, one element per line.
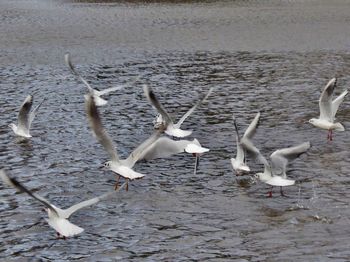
<point>171,214</point>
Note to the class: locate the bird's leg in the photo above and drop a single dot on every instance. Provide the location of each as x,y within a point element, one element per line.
<point>127,185</point>
<point>331,135</point>
<point>328,135</point>
<point>270,192</point>
<point>117,182</point>
<point>281,191</point>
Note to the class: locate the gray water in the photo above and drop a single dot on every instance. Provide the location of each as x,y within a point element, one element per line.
<point>181,50</point>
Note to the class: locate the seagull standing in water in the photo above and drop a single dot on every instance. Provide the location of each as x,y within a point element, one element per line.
<point>275,174</point>
<point>328,109</point>
<point>172,128</point>
<point>121,167</point>
<point>25,118</point>
<point>239,163</point>
<point>96,93</point>
<point>58,218</point>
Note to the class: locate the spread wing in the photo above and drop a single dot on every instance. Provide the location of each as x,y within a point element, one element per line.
<point>154,101</point>
<point>280,158</point>
<point>69,211</point>
<point>72,69</point>
<point>189,112</point>
<point>116,88</point>
<point>240,151</point>
<point>24,115</point>
<point>33,113</point>
<point>336,103</point>
<point>251,130</point>
<point>14,183</point>
<point>98,129</point>
<point>325,102</point>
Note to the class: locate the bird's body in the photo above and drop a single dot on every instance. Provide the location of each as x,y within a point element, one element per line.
<point>99,101</point>
<point>328,109</point>
<point>25,118</point>
<point>123,167</point>
<point>57,217</point>
<point>173,129</point>
<point>239,163</point>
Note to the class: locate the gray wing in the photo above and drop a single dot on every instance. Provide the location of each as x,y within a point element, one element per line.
<point>280,158</point>
<point>72,69</point>
<point>98,129</point>
<point>33,113</point>
<point>154,101</point>
<point>69,211</point>
<point>116,88</point>
<point>189,112</point>
<point>325,102</point>
<point>252,150</point>
<point>336,103</point>
<point>251,130</point>
<point>14,183</point>
<point>240,151</point>
<point>24,113</point>
<point>138,152</point>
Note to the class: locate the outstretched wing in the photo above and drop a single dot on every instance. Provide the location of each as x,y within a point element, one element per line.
<point>33,113</point>
<point>325,102</point>
<point>336,103</point>
<point>72,69</point>
<point>251,130</point>
<point>24,115</point>
<point>254,151</point>
<point>189,112</point>
<point>154,101</point>
<point>98,129</point>
<point>14,183</point>
<point>240,151</point>
<point>69,211</point>
<point>116,88</point>
<point>140,151</point>
<point>280,158</point>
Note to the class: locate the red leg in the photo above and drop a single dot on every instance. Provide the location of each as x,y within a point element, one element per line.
<point>127,185</point>
<point>117,183</point>
<point>270,193</point>
<point>331,136</point>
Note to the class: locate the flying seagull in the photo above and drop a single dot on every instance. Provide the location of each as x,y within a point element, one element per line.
<point>172,128</point>
<point>96,93</point>
<point>165,147</point>
<point>239,163</point>
<point>328,109</point>
<point>25,118</point>
<point>58,218</point>
<point>121,167</point>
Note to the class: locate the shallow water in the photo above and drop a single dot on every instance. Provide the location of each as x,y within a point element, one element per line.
<point>171,214</point>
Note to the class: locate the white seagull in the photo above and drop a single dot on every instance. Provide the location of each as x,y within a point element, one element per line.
<point>328,109</point>
<point>121,167</point>
<point>172,128</point>
<point>58,218</point>
<point>239,163</point>
<point>25,118</point>
<point>275,174</point>
<point>96,93</point>
<point>165,147</point>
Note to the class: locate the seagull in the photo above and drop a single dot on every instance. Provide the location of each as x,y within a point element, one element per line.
<point>96,93</point>
<point>275,174</point>
<point>172,128</point>
<point>239,163</point>
<point>58,218</point>
<point>121,167</point>
<point>25,118</point>
<point>328,109</point>
<point>165,147</point>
